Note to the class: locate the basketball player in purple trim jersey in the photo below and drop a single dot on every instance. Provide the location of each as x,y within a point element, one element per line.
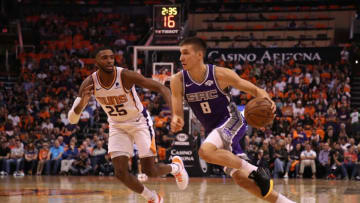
<point>204,87</point>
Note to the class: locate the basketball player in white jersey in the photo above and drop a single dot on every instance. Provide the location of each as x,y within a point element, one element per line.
<point>114,88</point>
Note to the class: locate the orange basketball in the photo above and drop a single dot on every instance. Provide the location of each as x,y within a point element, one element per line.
<point>258,112</point>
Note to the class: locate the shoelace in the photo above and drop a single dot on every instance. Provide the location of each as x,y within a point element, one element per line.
<point>152,200</point>
<point>178,177</point>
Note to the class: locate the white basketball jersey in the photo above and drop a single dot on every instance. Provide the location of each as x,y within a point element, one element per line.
<point>119,104</point>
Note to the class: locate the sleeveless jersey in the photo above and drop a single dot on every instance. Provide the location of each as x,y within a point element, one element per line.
<point>209,103</point>
<point>119,104</point>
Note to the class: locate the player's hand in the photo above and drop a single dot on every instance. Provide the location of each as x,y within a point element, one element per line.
<point>177,124</point>
<point>273,105</point>
<point>87,93</point>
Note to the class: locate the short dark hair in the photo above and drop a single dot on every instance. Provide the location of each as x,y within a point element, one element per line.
<point>198,43</point>
<point>102,48</point>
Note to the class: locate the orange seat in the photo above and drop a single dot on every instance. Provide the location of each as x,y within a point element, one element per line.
<point>334,6</point>
<point>229,27</point>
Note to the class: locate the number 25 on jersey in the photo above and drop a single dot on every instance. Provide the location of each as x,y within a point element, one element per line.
<point>117,108</point>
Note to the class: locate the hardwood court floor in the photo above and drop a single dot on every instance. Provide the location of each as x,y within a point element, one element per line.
<point>203,190</point>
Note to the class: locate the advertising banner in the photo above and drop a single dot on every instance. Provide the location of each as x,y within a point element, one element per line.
<point>277,55</point>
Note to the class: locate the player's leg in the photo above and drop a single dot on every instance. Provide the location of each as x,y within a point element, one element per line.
<point>144,137</point>
<point>239,176</point>
<point>154,170</point>
<point>121,166</point>
<point>220,150</point>
<point>121,149</point>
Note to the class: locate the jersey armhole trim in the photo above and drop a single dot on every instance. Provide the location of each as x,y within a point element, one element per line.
<point>92,78</point>
<point>183,82</point>
<point>122,84</point>
<point>216,83</point>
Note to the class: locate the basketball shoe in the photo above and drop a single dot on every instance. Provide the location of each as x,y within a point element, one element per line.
<point>181,177</point>
<point>263,180</point>
<point>158,199</point>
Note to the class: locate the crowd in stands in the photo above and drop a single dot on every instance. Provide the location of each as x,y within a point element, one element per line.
<point>315,126</point>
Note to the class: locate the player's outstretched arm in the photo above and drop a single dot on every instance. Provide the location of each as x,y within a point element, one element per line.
<point>226,77</point>
<point>131,78</point>
<point>177,121</point>
<point>85,92</point>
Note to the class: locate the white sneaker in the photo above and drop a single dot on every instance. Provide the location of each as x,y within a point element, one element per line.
<point>286,175</point>
<point>158,199</point>
<point>182,177</point>
<point>16,173</point>
<point>142,177</point>
<point>21,174</point>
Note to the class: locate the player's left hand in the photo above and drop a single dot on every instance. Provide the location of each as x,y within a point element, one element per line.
<point>177,123</point>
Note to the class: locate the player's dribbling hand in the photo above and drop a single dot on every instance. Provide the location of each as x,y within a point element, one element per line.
<point>86,93</point>
<point>177,123</point>
<point>273,105</point>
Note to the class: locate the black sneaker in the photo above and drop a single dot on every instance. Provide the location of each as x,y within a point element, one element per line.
<point>263,180</point>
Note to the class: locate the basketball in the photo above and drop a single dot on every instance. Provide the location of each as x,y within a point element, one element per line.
<point>258,112</point>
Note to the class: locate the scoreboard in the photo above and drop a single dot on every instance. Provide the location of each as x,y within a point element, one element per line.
<point>167,23</point>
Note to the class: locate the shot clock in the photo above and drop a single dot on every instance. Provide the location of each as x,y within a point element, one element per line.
<point>167,22</point>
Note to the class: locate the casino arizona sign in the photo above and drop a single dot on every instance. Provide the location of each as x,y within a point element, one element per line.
<point>307,55</point>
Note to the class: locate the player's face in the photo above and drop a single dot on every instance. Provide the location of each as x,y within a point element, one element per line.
<point>105,60</point>
<point>190,58</point>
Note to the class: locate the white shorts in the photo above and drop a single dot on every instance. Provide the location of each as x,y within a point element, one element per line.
<point>139,131</point>
<point>215,138</point>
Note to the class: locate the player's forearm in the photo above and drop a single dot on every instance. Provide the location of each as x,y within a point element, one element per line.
<point>261,93</point>
<point>165,92</point>
<point>79,107</point>
<point>76,109</point>
<point>177,107</point>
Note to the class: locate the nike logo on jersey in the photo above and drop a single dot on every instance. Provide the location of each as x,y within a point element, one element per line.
<point>188,85</point>
<point>209,83</point>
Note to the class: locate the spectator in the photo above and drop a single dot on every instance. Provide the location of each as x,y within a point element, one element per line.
<point>294,161</point>
<point>350,160</point>
<point>16,156</point>
<point>97,156</point>
<point>106,168</point>
<point>15,119</point>
<point>281,159</point>
<point>69,156</point>
<point>43,157</point>
<point>324,161</point>
<point>308,157</point>
<point>30,160</point>
<point>338,169</point>
<point>47,124</point>
<point>4,156</point>
<point>54,158</point>
<point>82,166</point>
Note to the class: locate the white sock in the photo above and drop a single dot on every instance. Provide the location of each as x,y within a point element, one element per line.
<point>248,167</point>
<point>175,168</point>
<point>282,199</point>
<point>148,194</point>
